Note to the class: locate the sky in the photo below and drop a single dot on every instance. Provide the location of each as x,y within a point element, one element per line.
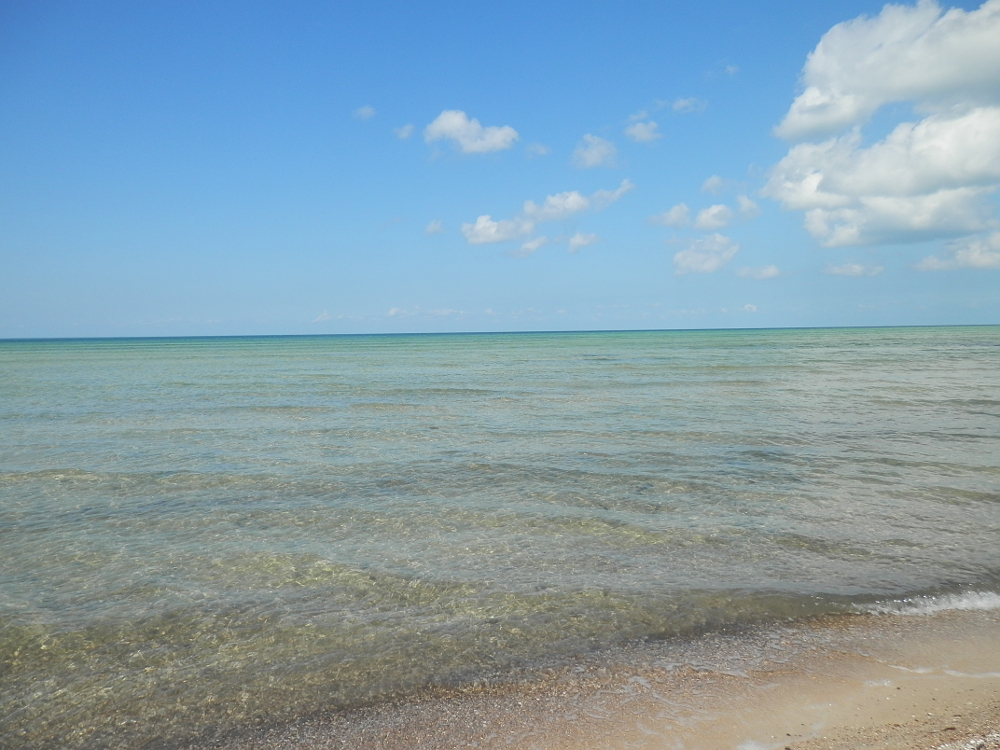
<point>244,168</point>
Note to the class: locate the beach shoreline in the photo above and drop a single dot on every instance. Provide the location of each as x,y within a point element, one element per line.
<point>875,681</point>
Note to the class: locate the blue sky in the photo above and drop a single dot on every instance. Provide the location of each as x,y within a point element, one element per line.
<point>210,168</point>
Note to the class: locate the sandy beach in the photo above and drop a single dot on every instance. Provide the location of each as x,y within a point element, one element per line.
<point>886,682</point>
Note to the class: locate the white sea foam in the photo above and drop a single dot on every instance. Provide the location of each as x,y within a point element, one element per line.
<point>926,605</point>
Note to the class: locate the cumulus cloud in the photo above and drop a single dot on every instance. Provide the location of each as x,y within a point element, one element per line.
<point>924,179</point>
<point>905,53</point>
<point>713,217</point>
<point>643,132</point>
<point>468,135</point>
<point>705,255</point>
<point>854,269</point>
<point>558,207</point>
<point>760,273</point>
<point>366,112</point>
<point>403,132</point>
<point>976,252</point>
<point>928,178</point>
<point>433,227</point>
<point>676,216</point>
<point>594,151</point>
<point>580,240</point>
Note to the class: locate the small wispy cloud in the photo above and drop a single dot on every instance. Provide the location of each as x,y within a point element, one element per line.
<point>530,246</point>
<point>537,149</point>
<point>853,269</point>
<point>366,112</point>
<point>714,185</point>
<point>403,132</point>
<point>705,255</point>
<point>557,207</point>
<point>689,106</point>
<point>594,151</point>
<point>713,217</point>
<point>321,317</point>
<point>580,240</point>
<point>677,216</point>
<point>443,312</point>
<point>759,273</point>
<point>433,227</point>
<point>748,209</point>
<point>643,132</point>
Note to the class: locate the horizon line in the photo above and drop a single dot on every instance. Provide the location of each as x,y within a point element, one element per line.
<point>27,339</point>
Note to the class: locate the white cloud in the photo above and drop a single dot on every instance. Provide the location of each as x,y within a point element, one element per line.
<point>399,312</point>
<point>601,199</point>
<point>748,209</point>
<point>677,216</point>
<point>689,105</point>
<point>323,316</point>
<point>404,132</point>
<point>854,269</point>
<point>469,135</point>
<point>580,240</point>
<point>714,185</point>
<point>763,272</point>
<point>537,149</point>
<point>925,179</point>
<point>732,70</point>
<point>486,231</point>
<point>433,227</point>
<point>922,180</point>
<point>705,255</point>
<point>905,53</point>
<point>974,252</point>
<point>593,151</point>
<point>445,312</point>
<point>713,217</point>
<point>366,112</point>
<point>556,207</point>
<point>643,132</point>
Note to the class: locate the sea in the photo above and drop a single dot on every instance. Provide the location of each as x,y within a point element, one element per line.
<point>202,535</point>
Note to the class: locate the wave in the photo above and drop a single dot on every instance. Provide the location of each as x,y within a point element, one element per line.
<point>928,605</point>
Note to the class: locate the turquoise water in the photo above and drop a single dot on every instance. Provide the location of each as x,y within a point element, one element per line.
<point>200,535</point>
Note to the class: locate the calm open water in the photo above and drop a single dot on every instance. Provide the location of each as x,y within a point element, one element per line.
<point>202,534</point>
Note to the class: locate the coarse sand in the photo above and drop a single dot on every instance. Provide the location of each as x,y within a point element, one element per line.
<point>890,682</point>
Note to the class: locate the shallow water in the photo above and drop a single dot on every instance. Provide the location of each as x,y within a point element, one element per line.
<point>203,534</point>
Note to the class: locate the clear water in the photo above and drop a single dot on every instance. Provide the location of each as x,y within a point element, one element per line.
<point>199,535</point>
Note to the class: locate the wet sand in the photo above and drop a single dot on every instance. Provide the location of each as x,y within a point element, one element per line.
<point>886,682</point>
